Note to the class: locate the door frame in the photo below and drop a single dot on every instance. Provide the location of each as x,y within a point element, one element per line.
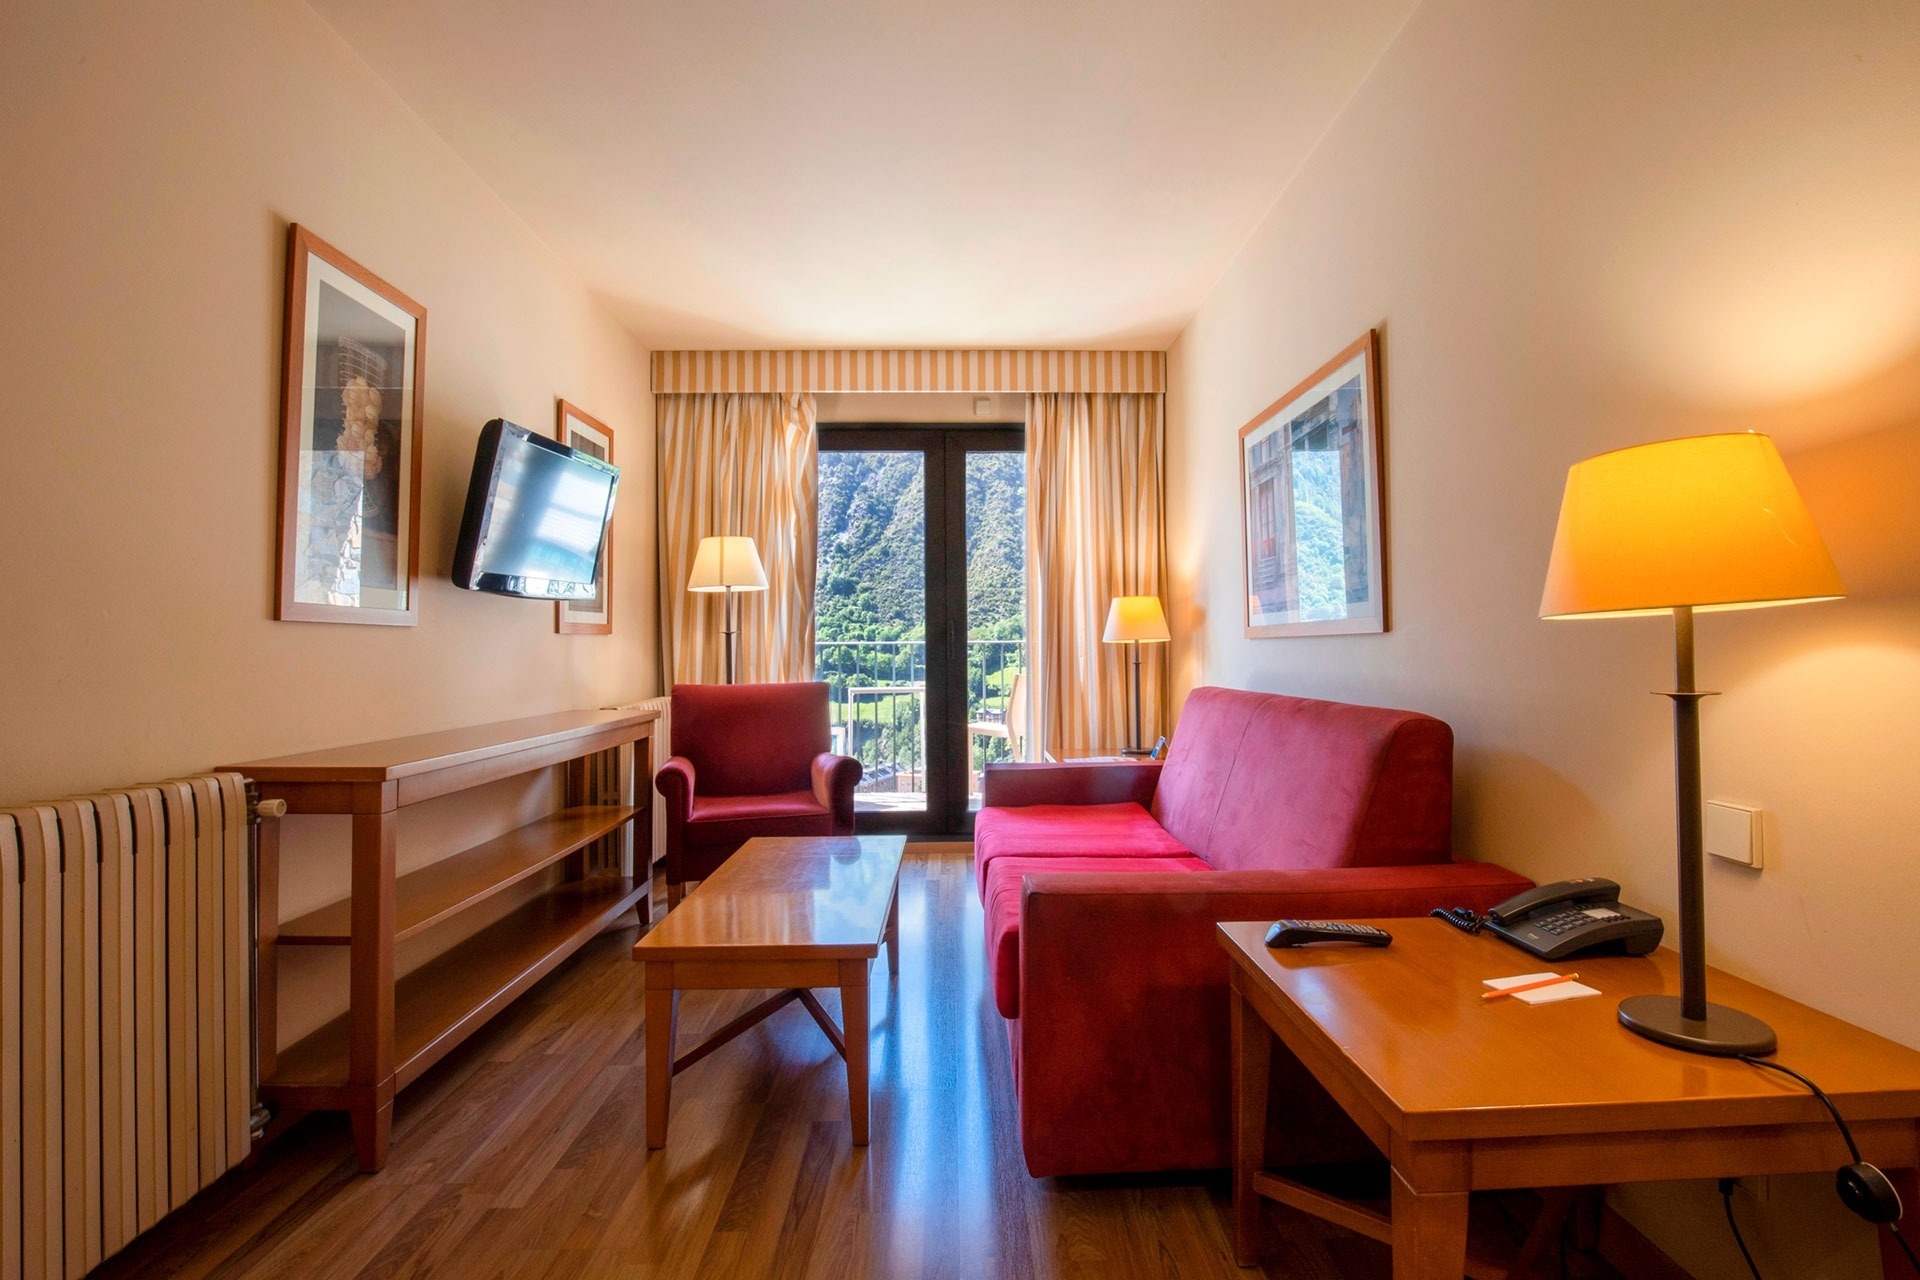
<point>944,448</point>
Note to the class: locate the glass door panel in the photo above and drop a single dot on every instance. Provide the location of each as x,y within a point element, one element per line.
<point>870,620</point>
<point>997,705</point>
<point>920,613</point>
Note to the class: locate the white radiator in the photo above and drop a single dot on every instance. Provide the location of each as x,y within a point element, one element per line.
<point>125,1015</point>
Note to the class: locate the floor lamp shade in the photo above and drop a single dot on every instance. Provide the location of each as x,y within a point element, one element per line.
<point>1711,522</point>
<point>1136,620</point>
<point>727,564</point>
<point>732,565</point>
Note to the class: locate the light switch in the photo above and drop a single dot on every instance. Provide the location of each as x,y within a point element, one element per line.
<point>1733,833</point>
<point>983,406</point>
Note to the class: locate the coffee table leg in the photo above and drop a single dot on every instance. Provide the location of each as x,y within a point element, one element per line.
<point>1252,1052</point>
<point>1429,1233</point>
<point>893,934</point>
<point>663,1010</point>
<point>853,1020</point>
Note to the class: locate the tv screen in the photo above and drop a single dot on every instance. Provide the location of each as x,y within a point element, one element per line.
<point>536,513</point>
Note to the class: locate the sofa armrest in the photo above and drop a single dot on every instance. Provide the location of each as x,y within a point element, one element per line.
<point>834,780</point>
<point>1015,786</point>
<point>674,782</point>
<point>1123,970</point>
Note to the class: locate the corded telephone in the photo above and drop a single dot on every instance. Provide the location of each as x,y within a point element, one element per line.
<point>1569,918</point>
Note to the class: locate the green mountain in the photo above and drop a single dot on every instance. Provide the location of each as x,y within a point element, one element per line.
<point>872,575</point>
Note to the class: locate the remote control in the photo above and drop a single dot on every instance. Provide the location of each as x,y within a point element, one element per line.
<point>1292,933</point>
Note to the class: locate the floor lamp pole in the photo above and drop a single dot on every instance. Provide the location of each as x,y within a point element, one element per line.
<point>1688,1021</point>
<point>728,630</point>
<point>1134,748</point>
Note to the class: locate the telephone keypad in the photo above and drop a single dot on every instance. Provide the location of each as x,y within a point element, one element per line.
<point>1561,922</point>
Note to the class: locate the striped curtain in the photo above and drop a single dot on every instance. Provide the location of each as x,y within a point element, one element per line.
<point>1096,483</point>
<point>740,464</point>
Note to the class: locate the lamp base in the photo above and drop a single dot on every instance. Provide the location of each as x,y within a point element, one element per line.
<point>1724,1033</point>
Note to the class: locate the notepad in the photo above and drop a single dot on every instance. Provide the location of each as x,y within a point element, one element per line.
<point>1568,990</point>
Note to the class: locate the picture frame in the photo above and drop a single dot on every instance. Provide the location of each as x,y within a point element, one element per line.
<point>578,429</point>
<point>1313,503</point>
<point>352,402</point>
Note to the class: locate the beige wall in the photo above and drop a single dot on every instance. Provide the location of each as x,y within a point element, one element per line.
<point>1580,226</point>
<point>154,154</point>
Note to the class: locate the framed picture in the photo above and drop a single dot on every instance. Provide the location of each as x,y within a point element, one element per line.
<point>594,616</point>
<point>1311,479</point>
<point>349,442</point>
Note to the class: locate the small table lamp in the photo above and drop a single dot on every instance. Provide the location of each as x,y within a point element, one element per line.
<point>729,565</point>
<point>1136,620</point>
<point>1712,522</point>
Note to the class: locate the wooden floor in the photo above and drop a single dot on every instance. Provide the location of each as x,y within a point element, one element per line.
<point>523,1154</point>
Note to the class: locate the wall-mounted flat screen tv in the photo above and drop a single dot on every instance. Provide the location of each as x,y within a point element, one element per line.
<point>535,514</point>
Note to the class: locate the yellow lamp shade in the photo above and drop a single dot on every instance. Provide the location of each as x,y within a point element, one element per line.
<point>1713,522</point>
<point>727,564</point>
<point>1137,618</point>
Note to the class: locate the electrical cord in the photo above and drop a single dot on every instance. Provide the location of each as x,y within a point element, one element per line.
<point>1853,1148</point>
<point>1862,1188</point>
<point>1726,1198</point>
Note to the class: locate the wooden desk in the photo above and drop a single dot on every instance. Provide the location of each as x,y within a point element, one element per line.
<point>1463,1095</point>
<point>792,912</point>
<point>395,1029</point>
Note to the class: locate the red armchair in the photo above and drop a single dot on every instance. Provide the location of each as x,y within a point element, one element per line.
<point>1102,884</point>
<point>749,760</point>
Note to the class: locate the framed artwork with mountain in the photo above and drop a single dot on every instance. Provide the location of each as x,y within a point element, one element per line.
<point>351,401</point>
<point>1312,518</point>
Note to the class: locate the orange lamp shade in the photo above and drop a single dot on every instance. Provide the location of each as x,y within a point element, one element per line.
<point>1136,618</point>
<point>727,564</point>
<point>1713,522</point>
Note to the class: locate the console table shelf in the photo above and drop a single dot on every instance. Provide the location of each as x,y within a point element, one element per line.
<point>394,1030</point>
<point>438,1004</point>
<point>441,889</point>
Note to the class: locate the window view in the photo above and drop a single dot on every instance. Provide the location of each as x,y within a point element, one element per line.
<point>871,609</point>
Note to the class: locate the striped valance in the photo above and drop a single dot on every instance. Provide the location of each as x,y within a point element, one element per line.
<point>909,370</point>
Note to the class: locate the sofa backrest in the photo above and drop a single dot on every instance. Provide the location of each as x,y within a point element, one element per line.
<point>1261,780</point>
<point>751,739</point>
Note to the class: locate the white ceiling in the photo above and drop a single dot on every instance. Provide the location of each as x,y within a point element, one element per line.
<point>887,173</point>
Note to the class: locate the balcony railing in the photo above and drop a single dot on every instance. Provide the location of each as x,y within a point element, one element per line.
<point>878,691</point>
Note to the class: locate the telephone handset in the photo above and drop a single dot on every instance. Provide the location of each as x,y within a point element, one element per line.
<point>1573,917</point>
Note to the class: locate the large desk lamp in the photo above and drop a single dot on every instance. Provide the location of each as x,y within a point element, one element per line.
<point>1136,620</point>
<point>729,565</point>
<point>1707,523</point>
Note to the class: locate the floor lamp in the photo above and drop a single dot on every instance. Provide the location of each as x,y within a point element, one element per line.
<point>1707,523</point>
<point>729,565</point>
<point>1136,620</point>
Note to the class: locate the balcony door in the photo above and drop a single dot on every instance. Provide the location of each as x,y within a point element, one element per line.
<point>920,613</point>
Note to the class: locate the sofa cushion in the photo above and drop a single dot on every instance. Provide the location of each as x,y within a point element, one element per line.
<point>1258,781</point>
<point>1001,897</point>
<point>1069,831</point>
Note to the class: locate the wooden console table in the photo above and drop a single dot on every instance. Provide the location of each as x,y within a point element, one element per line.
<point>394,1030</point>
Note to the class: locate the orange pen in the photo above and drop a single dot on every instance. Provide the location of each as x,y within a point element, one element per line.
<point>1527,986</point>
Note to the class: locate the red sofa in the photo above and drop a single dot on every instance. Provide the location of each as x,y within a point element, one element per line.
<point>1102,883</point>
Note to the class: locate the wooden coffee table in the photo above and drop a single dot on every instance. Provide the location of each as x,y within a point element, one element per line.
<point>792,913</point>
